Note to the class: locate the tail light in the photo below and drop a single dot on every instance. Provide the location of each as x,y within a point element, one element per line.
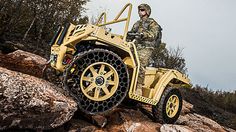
<point>67,59</point>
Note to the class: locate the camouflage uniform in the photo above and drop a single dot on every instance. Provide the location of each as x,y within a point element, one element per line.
<point>149,29</point>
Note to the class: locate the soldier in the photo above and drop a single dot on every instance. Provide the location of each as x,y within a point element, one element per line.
<point>149,33</point>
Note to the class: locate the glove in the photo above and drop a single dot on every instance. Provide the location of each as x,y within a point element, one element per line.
<point>141,35</point>
<point>130,35</point>
<point>134,35</point>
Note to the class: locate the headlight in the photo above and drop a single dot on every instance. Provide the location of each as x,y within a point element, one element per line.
<point>53,59</point>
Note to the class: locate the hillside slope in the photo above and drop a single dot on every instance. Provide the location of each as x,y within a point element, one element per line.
<point>197,114</point>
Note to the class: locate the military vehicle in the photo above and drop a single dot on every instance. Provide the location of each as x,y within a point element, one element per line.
<point>100,69</point>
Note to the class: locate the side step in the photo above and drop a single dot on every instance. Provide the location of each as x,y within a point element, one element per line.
<point>143,99</point>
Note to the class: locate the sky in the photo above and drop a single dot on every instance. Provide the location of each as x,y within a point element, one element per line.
<point>205,29</point>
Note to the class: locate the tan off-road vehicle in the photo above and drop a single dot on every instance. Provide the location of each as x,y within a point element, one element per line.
<point>100,69</point>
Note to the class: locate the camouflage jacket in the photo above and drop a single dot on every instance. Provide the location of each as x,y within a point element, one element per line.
<point>150,29</point>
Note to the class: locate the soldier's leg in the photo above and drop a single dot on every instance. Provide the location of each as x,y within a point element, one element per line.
<point>144,56</point>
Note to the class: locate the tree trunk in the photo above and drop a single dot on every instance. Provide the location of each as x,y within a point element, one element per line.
<point>26,33</point>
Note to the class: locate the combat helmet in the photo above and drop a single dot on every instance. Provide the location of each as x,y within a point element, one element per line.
<point>146,7</point>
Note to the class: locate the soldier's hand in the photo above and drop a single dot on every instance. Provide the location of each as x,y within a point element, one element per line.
<point>135,35</point>
<point>130,33</point>
<point>138,36</point>
<point>130,36</point>
<point>141,35</point>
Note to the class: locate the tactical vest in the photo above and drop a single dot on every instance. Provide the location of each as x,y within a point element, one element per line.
<point>145,26</point>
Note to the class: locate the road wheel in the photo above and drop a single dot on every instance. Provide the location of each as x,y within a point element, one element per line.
<point>169,107</point>
<point>98,79</point>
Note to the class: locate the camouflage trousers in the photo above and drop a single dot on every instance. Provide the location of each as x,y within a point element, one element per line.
<point>144,56</point>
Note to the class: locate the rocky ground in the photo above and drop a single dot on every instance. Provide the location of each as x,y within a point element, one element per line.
<point>30,101</point>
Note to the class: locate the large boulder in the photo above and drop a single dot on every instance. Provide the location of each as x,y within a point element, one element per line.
<point>30,102</point>
<point>24,62</point>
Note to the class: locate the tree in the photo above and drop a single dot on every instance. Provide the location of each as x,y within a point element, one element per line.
<point>169,58</point>
<point>36,20</point>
